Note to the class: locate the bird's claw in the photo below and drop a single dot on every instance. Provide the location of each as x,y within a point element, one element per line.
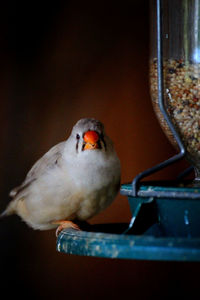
<point>65,224</point>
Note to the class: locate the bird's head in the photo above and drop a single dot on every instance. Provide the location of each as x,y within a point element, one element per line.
<point>88,134</point>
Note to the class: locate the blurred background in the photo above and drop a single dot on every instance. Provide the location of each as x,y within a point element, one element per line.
<point>60,62</point>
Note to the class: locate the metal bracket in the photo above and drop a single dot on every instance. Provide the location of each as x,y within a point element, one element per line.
<point>138,205</point>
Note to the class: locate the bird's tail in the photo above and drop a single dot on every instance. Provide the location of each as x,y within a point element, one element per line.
<point>10,209</point>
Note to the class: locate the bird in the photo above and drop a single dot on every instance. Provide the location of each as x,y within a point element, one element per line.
<point>75,180</point>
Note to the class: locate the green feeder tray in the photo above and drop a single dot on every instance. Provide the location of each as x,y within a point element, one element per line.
<point>165,226</point>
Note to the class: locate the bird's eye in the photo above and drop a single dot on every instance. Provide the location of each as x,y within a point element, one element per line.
<point>78,136</point>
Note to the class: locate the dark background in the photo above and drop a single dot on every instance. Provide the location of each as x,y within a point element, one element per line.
<point>60,62</point>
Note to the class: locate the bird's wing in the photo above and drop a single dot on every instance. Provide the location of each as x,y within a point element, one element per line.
<point>47,161</point>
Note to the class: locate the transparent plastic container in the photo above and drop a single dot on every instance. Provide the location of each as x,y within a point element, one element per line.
<point>181,72</point>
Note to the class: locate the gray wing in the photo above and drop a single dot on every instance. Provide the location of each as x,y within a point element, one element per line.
<point>47,161</point>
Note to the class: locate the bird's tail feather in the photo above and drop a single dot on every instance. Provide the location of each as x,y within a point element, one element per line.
<point>3,214</point>
<point>9,210</point>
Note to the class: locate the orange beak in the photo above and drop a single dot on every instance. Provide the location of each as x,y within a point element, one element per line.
<point>91,139</point>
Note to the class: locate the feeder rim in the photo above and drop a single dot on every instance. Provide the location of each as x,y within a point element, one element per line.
<point>109,245</point>
<point>162,189</point>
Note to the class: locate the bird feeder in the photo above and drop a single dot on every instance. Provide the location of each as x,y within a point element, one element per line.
<point>165,222</point>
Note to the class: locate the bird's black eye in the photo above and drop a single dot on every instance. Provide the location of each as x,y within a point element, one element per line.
<point>78,136</point>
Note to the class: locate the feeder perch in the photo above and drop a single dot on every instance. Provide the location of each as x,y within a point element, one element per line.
<point>165,222</point>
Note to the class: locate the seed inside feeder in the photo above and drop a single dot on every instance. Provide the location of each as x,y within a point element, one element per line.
<point>182,101</point>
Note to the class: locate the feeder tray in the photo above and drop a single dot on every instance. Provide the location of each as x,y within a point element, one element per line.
<point>166,227</point>
<point>165,222</point>
<point>143,247</point>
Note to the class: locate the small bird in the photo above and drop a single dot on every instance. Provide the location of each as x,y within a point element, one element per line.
<point>76,179</point>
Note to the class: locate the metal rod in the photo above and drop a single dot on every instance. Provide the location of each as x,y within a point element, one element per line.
<point>185,173</point>
<point>134,216</point>
<point>182,151</point>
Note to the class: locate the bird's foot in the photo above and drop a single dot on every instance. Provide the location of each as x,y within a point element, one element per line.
<point>64,224</point>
